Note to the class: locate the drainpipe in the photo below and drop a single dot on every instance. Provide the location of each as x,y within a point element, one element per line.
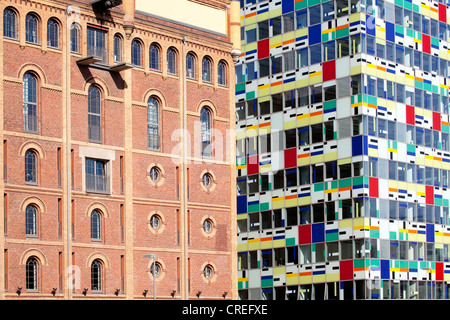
<point>70,10</point>
<point>183,114</point>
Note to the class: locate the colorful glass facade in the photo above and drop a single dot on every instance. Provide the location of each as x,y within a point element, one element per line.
<point>343,156</point>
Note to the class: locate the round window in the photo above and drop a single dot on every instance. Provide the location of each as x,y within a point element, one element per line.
<point>155,221</point>
<point>208,272</point>
<point>155,269</point>
<point>207,225</point>
<point>207,180</point>
<point>155,174</point>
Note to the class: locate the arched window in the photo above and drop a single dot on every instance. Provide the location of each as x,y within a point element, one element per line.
<point>171,61</point>
<point>96,219</point>
<point>30,166</point>
<point>32,29</point>
<point>10,24</point>
<point>31,274</point>
<point>153,123</point>
<point>118,45</point>
<point>155,57</point>
<point>30,119</point>
<point>53,33</point>
<point>205,126</point>
<point>31,221</point>
<point>222,73</point>
<point>96,275</point>
<point>190,65</point>
<point>94,114</point>
<point>136,53</point>
<point>206,69</point>
<point>75,35</point>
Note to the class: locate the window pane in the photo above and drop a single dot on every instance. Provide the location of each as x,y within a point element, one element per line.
<point>9,24</point>
<point>153,123</point>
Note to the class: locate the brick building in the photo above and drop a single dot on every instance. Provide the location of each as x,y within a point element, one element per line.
<point>114,118</point>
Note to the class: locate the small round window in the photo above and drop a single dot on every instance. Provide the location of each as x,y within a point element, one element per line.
<point>208,272</point>
<point>207,225</point>
<point>207,180</point>
<point>155,269</point>
<point>155,174</point>
<point>155,221</point>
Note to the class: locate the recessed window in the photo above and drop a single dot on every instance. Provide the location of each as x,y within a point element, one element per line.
<point>136,53</point>
<point>208,272</point>
<point>31,221</point>
<point>53,33</point>
<point>97,179</point>
<point>171,61</point>
<point>207,180</point>
<point>206,69</point>
<point>30,118</point>
<point>94,114</point>
<point>96,219</point>
<point>156,269</point>
<point>10,24</point>
<point>75,36</point>
<point>32,29</point>
<point>32,273</point>
<point>207,225</point>
<point>96,275</point>
<point>222,73</point>
<point>118,47</point>
<point>190,65</point>
<point>30,166</point>
<point>153,123</point>
<point>155,57</point>
<point>205,126</point>
<point>155,174</point>
<point>155,221</point>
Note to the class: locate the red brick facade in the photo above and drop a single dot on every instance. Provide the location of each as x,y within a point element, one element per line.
<point>63,205</point>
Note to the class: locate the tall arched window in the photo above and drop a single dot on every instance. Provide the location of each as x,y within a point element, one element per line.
<point>171,61</point>
<point>96,219</point>
<point>153,123</point>
<point>94,114</point>
<point>75,34</point>
<point>190,65</point>
<point>118,45</point>
<point>32,28</point>
<point>136,53</point>
<point>205,126</point>
<point>30,166</point>
<point>30,119</point>
<point>206,69</point>
<point>96,275</point>
<point>31,274</point>
<point>53,33</point>
<point>155,57</point>
<point>222,73</point>
<point>31,221</point>
<point>10,24</point>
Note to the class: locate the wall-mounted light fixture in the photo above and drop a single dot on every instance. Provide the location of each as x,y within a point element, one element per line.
<point>85,291</point>
<point>198,294</point>
<point>117,292</point>
<point>145,293</point>
<point>173,293</point>
<point>19,290</point>
<point>54,291</point>
<point>224,295</point>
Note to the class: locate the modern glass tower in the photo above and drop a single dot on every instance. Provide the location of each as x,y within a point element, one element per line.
<point>343,149</point>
